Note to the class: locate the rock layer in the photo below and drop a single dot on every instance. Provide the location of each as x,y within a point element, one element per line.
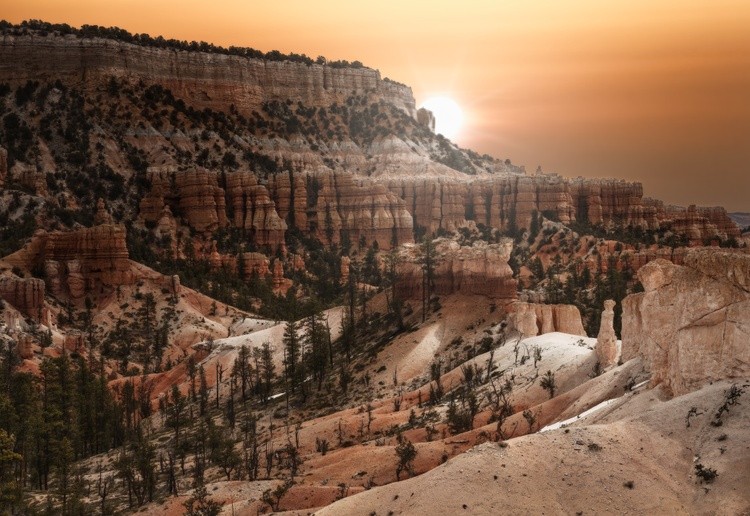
<point>78,262</point>
<point>205,80</point>
<point>692,323</point>
<point>481,269</point>
<point>25,294</point>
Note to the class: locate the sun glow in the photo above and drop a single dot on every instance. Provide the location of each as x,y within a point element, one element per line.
<point>448,115</point>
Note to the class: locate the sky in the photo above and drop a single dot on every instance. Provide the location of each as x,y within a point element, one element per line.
<point>655,91</point>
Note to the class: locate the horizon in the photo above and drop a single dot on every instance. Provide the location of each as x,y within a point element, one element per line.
<point>654,94</point>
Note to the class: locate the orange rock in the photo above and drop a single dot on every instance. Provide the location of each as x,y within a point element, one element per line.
<point>24,294</point>
<point>78,262</point>
<point>203,80</point>
<point>102,216</point>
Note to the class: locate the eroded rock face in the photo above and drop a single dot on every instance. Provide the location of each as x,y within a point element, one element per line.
<point>606,342</point>
<point>692,323</point>
<point>205,80</point>
<point>362,209</point>
<point>508,201</point>
<point>78,262</point>
<point>481,269</point>
<point>251,208</point>
<point>345,265</point>
<point>426,118</point>
<point>102,215</point>
<point>25,346</point>
<point>25,294</point>
<point>28,176</point>
<point>531,319</point>
<point>701,223</point>
<point>256,264</point>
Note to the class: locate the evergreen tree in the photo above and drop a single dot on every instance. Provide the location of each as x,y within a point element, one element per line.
<point>318,337</point>
<point>427,261</point>
<point>11,491</point>
<point>292,352</point>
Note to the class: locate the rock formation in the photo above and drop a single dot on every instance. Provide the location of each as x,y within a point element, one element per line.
<point>102,216</point>
<point>252,209</point>
<point>606,342</point>
<point>331,204</point>
<point>213,81</point>
<point>426,118</point>
<point>28,176</point>
<point>691,323</point>
<point>256,264</point>
<point>25,346</point>
<point>481,269</point>
<point>360,209</point>
<point>505,202</point>
<point>531,319</point>
<point>78,262</point>
<point>25,294</point>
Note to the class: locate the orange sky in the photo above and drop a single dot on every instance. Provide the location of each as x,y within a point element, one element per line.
<point>654,91</point>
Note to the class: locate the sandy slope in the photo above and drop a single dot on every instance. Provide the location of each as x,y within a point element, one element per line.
<point>642,438</point>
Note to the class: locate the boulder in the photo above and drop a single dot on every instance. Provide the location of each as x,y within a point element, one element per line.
<point>531,319</point>
<point>692,323</point>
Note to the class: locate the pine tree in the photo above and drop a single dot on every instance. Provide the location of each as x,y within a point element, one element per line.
<point>292,355</point>
<point>427,261</point>
<point>268,369</point>
<point>11,492</point>
<point>317,337</point>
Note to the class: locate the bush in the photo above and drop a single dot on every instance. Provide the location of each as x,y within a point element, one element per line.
<point>705,474</point>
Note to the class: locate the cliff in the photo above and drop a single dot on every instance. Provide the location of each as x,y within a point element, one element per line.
<point>204,80</point>
<point>691,323</point>
<point>509,201</point>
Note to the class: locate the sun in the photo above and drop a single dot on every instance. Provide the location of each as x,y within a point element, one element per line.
<point>448,115</point>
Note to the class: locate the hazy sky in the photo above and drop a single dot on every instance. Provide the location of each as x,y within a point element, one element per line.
<point>656,91</point>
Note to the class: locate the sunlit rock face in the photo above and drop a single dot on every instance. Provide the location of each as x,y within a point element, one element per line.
<point>531,319</point>
<point>692,323</point>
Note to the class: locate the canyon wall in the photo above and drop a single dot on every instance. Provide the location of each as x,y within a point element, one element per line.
<point>330,204</point>
<point>481,269</point>
<point>324,205</point>
<point>205,80</point>
<point>508,201</point>
<point>692,323</point>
